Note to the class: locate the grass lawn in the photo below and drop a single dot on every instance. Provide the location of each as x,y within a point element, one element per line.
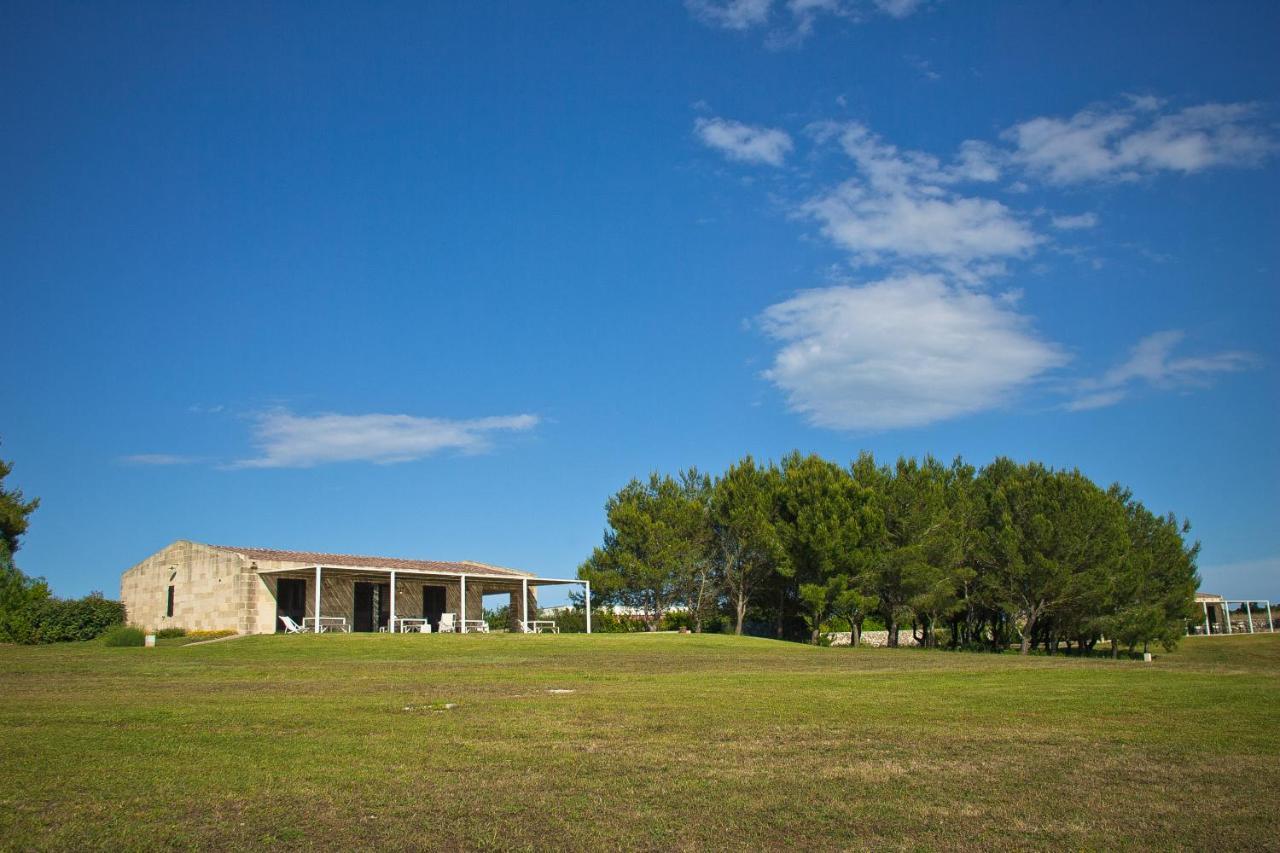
<point>668,741</point>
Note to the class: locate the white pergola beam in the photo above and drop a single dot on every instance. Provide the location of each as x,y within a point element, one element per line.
<point>317,623</point>
<point>462,617</point>
<point>392,626</point>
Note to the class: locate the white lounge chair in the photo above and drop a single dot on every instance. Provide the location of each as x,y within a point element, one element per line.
<point>291,627</point>
<point>446,625</point>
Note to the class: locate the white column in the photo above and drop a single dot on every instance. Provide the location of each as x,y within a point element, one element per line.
<point>587,602</point>
<point>1270,625</point>
<point>1205,605</point>
<point>1248,614</point>
<point>392,620</point>
<point>317,625</point>
<point>462,617</point>
<point>1226,614</point>
<point>524,605</point>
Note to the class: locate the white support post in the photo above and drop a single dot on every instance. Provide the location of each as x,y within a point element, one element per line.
<point>462,617</point>
<point>587,602</point>
<point>1205,605</point>
<point>317,624</point>
<point>1226,614</point>
<point>1270,625</point>
<point>1248,614</point>
<point>524,605</point>
<point>392,618</point>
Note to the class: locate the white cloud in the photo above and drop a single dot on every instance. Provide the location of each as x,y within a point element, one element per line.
<point>1129,141</point>
<point>286,440</point>
<point>903,352</point>
<point>899,8</point>
<point>158,459</point>
<point>798,16</point>
<point>902,205</point>
<point>1152,362</point>
<point>1075,222</point>
<point>743,142</point>
<point>730,14</point>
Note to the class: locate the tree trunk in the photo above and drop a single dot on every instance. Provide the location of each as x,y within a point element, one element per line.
<point>1028,632</point>
<point>742,614</point>
<point>892,624</point>
<point>781,598</point>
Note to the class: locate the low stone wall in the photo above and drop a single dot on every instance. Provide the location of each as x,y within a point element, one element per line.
<point>877,639</point>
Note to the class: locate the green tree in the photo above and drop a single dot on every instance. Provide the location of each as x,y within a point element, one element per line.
<point>744,527</point>
<point>655,547</point>
<point>1152,595</point>
<point>14,509</point>
<point>19,594</point>
<point>1049,539</point>
<point>821,510</point>
<point>915,551</point>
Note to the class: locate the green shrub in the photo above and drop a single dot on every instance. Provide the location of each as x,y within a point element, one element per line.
<point>124,635</point>
<point>169,633</point>
<point>602,622</point>
<point>56,620</point>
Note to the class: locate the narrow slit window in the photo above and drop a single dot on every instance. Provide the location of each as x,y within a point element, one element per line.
<point>168,607</point>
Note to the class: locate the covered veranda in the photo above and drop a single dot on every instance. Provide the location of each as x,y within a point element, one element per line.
<point>1224,616</point>
<point>324,598</point>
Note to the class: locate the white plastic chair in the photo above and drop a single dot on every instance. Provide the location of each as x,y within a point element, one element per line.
<point>446,624</point>
<point>291,627</point>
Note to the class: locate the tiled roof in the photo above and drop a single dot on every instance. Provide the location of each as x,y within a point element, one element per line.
<point>312,558</point>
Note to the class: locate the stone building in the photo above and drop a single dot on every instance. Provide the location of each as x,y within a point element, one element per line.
<point>247,590</point>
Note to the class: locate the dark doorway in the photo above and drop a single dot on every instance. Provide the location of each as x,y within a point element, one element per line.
<point>373,606</point>
<point>433,605</point>
<point>291,600</point>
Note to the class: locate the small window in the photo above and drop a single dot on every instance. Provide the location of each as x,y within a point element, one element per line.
<point>168,608</point>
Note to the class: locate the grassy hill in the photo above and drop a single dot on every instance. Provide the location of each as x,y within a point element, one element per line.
<point>665,741</point>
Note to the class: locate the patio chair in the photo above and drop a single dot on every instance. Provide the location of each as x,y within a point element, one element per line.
<point>291,627</point>
<point>446,625</point>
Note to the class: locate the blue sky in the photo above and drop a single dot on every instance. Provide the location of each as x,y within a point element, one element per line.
<point>435,281</point>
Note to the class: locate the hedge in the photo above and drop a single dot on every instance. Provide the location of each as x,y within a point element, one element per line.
<point>56,620</point>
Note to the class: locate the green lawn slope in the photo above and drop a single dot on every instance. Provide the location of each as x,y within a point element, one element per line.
<point>664,742</point>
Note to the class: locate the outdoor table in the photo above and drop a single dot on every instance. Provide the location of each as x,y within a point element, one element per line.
<point>477,625</point>
<point>422,626</point>
<point>325,623</point>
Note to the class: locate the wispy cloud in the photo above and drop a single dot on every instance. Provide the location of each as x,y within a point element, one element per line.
<point>731,14</point>
<point>744,143</point>
<point>1152,362</point>
<point>939,338</point>
<point>792,21</point>
<point>1139,137</point>
<point>286,440</point>
<point>159,459</point>
<point>1075,222</point>
<point>902,352</point>
<point>903,205</point>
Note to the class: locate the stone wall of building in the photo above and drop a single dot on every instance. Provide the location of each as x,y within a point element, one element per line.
<point>221,590</point>
<point>208,589</point>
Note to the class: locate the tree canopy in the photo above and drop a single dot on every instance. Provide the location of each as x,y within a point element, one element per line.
<point>1011,553</point>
